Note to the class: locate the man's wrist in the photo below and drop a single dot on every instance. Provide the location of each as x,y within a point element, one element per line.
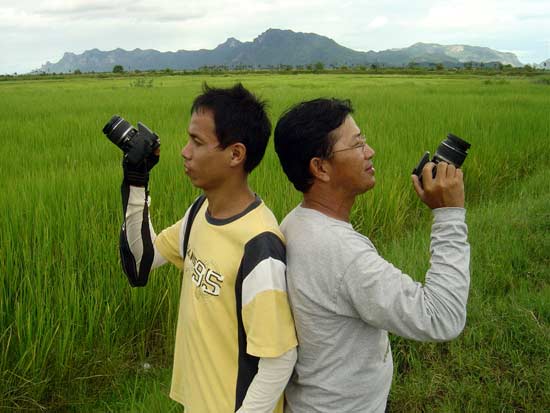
<point>136,178</point>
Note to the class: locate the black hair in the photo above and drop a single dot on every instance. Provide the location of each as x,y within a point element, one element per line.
<point>239,116</point>
<point>304,132</point>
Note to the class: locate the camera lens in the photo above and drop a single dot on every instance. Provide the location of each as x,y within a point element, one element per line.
<point>117,129</point>
<point>452,150</point>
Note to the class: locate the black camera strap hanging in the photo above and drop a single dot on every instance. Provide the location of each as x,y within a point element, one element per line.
<point>192,214</point>
<point>137,278</point>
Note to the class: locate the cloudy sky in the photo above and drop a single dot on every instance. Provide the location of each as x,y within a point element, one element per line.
<point>35,31</point>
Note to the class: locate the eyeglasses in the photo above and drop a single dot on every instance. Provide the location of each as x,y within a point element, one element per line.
<point>361,145</point>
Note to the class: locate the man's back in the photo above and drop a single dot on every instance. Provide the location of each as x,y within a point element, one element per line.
<point>345,298</point>
<point>343,363</point>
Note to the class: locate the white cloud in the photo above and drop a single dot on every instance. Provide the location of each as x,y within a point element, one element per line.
<point>377,22</point>
<point>12,18</point>
<point>501,16</point>
<point>465,14</point>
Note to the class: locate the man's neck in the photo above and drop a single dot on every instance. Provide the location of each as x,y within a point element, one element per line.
<point>229,200</point>
<point>333,204</point>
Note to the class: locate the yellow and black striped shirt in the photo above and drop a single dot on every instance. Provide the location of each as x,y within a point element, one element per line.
<point>233,306</point>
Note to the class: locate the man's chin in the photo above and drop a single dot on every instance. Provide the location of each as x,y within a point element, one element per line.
<point>370,185</point>
<point>194,181</point>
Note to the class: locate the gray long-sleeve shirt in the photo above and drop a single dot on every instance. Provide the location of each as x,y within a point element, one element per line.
<point>345,298</point>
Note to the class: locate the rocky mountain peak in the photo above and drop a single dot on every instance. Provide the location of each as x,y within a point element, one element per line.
<point>276,47</point>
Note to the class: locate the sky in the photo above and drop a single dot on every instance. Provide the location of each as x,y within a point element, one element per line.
<point>33,32</point>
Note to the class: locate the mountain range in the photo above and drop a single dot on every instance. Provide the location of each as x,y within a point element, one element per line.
<point>277,47</point>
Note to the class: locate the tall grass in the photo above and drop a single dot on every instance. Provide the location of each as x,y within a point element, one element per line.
<point>499,363</point>
<point>72,331</point>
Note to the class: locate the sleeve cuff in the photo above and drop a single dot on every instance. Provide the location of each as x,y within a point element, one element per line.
<point>270,352</point>
<point>449,214</point>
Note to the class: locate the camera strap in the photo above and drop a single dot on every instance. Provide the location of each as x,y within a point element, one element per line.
<point>192,214</point>
<point>136,277</point>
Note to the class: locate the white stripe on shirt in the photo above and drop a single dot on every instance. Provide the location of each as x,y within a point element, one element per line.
<point>269,274</point>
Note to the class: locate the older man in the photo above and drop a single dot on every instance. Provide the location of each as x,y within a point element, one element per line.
<point>344,296</point>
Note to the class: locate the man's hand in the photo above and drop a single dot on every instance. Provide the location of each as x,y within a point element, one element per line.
<point>445,190</point>
<point>138,174</point>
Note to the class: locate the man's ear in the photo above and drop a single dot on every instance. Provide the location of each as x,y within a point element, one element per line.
<point>238,154</point>
<point>319,168</point>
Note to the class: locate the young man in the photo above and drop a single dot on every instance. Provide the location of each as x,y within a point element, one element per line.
<point>344,296</point>
<point>235,339</point>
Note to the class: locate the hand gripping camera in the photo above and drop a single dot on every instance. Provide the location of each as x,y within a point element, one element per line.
<point>137,144</point>
<point>452,150</point>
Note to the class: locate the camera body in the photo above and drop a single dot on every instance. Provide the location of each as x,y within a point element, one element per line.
<point>137,144</point>
<point>452,150</point>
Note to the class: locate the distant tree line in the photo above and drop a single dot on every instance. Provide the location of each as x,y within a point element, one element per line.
<point>412,68</point>
<point>321,67</point>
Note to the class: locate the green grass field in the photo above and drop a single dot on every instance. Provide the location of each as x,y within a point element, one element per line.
<point>75,336</point>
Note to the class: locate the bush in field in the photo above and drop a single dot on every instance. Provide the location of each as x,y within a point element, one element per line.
<point>542,81</point>
<point>142,82</point>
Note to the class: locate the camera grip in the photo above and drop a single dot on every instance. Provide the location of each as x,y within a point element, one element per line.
<point>418,170</point>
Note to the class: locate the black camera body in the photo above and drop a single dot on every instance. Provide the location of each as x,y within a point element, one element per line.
<point>452,150</point>
<point>137,144</point>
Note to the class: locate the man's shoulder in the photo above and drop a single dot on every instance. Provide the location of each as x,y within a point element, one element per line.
<point>265,239</point>
<point>256,225</point>
<point>264,220</point>
<point>311,230</point>
<point>304,219</point>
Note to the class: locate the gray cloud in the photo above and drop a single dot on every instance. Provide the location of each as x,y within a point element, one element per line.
<point>177,17</point>
<point>121,10</point>
<point>76,10</point>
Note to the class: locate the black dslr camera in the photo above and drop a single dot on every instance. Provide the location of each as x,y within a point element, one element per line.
<point>137,144</point>
<point>452,150</point>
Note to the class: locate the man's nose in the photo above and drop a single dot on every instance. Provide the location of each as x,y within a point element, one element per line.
<point>186,151</point>
<point>368,151</point>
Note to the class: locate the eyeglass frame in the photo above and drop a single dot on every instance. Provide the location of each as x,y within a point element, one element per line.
<point>359,145</point>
